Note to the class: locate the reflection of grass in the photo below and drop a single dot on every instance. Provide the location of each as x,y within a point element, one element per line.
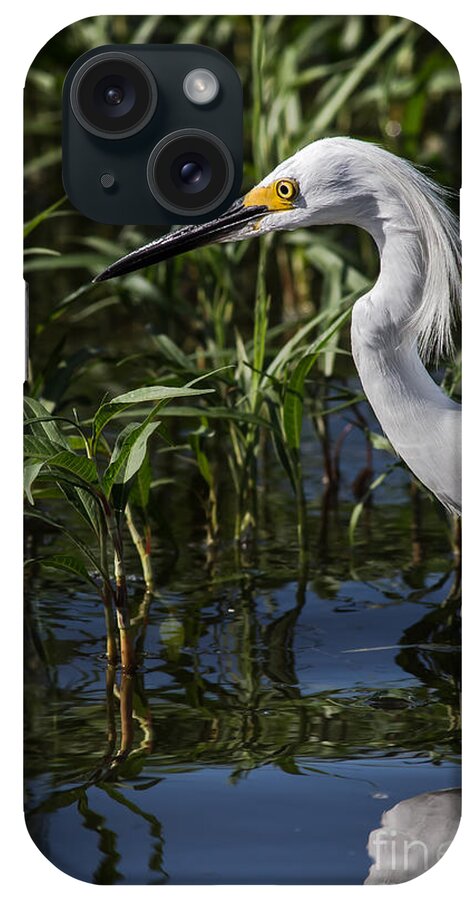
<point>277,731</point>
<point>246,708</point>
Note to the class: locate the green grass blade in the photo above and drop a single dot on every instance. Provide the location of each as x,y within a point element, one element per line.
<point>294,401</point>
<point>37,220</point>
<point>349,83</point>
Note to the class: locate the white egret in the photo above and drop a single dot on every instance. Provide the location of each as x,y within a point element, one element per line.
<point>407,315</point>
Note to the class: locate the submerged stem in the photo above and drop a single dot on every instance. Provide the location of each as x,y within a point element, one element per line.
<point>111,648</point>
<point>107,594</point>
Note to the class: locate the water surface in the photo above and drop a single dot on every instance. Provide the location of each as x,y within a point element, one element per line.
<point>281,704</point>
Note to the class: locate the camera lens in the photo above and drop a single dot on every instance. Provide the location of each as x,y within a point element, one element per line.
<point>113,95</point>
<point>190,172</point>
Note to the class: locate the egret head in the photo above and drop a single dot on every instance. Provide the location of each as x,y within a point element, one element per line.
<point>316,186</point>
<point>331,181</point>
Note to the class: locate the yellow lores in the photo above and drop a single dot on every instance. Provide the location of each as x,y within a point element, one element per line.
<point>277,196</point>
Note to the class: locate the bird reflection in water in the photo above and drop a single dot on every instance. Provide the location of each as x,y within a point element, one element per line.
<point>413,836</point>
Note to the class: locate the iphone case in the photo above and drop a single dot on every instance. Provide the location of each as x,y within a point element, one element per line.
<point>242,489</point>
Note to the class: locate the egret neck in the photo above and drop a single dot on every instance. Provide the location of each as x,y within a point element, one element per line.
<point>421,422</point>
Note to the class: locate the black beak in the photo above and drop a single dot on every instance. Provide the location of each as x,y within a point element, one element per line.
<point>188,238</point>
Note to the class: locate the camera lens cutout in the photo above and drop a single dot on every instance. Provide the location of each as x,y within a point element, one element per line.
<point>190,172</point>
<point>113,95</point>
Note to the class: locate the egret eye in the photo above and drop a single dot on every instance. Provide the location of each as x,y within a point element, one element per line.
<point>286,189</point>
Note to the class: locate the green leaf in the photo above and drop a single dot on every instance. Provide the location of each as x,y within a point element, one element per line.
<point>321,342</point>
<point>83,503</point>
<point>357,510</point>
<point>90,261</point>
<point>223,413</point>
<point>286,352</point>
<point>294,397</point>
<point>380,442</point>
<point>104,414</point>
<point>41,251</point>
<point>40,448</point>
<point>128,454</point>
<point>64,373</point>
<point>291,348</point>
<point>71,564</point>
<point>47,426</point>
<point>117,406</point>
<point>80,544</point>
<point>159,393</point>
<point>278,443</point>
<point>172,353</point>
<point>139,495</point>
<point>208,375</point>
<point>294,401</point>
<point>30,472</point>
<point>80,466</point>
<point>356,514</point>
<point>196,442</point>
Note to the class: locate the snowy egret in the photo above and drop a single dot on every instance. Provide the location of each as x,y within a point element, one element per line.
<point>407,315</point>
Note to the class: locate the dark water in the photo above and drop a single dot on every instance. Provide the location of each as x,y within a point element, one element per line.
<point>280,706</point>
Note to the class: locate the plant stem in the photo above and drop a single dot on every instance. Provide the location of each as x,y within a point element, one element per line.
<point>128,656</point>
<point>120,597</point>
<point>111,648</point>
<point>260,155</point>
<point>107,594</point>
<point>212,514</point>
<point>122,614</point>
<point>142,549</point>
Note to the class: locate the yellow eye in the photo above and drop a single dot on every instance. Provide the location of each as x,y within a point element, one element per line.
<point>287,189</point>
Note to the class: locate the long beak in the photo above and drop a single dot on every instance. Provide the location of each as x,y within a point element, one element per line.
<point>230,226</point>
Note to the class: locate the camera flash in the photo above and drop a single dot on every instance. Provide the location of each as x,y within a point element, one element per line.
<point>201,86</point>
